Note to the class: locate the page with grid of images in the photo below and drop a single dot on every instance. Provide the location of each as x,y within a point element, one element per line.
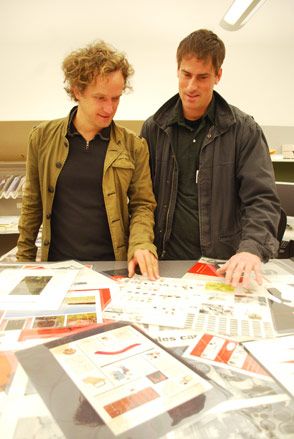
<point>20,333</point>
<point>211,306</point>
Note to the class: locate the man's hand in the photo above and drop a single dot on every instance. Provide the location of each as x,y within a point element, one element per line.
<point>147,262</point>
<point>240,266</point>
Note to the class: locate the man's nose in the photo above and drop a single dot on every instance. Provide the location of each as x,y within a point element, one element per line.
<point>108,107</point>
<point>192,84</point>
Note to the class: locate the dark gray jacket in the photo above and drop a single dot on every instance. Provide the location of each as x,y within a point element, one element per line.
<point>239,209</point>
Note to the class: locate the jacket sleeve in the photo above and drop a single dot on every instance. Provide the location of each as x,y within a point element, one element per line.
<point>31,211</point>
<point>260,206</point>
<point>141,203</point>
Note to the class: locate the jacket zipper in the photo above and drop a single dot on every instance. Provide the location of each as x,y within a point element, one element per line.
<point>209,136</point>
<point>167,216</point>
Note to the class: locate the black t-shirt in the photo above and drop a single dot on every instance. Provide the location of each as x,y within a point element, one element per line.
<point>79,225</point>
<point>188,136</point>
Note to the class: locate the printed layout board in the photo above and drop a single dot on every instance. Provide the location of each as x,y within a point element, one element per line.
<point>126,377</point>
<point>201,305</point>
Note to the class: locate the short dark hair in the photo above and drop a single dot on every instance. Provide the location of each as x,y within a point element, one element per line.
<point>82,66</point>
<point>203,44</point>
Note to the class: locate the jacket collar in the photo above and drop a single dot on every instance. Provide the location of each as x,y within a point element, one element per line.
<point>224,116</point>
<point>72,131</point>
<point>116,137</point>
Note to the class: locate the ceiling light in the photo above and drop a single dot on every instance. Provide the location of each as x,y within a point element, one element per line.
<point>239,13</point>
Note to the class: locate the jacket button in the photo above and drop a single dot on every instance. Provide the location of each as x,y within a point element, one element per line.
<point>58,165</point>
<point>51,189</point>
<point>48,216</point>
<point>46,242</point>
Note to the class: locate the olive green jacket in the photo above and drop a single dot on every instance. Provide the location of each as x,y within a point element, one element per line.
<point>126,186</point>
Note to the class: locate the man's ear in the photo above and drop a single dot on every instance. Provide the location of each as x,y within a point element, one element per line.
<point>218,76</point>
<point>76,92</point>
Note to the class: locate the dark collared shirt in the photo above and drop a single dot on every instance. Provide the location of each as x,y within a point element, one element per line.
<point>79,226</point>
<point>188,136</point>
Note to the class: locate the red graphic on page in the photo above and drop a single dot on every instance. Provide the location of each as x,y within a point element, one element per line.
<point>206,269</point>
<point>121,351</point>
<point>105,297</point>
<point>221,350</point>
<point>130,402</point>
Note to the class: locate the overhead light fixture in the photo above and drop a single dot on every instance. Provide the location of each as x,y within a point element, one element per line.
<point>239,13</point>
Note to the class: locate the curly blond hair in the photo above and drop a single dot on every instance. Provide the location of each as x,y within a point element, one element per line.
<point>82,66</point>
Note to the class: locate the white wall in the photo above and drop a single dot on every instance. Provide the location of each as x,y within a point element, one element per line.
<point>35,35</point>
<point>259,80</point>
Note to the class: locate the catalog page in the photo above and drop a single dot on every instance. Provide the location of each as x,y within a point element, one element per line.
<point>126,377</point>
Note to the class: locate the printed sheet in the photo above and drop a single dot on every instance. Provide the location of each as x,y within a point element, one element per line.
<point>116,372</point>
<point>277,357</point>
<point>225,352</point>
<point>27,289</point>
<point>204,306</point>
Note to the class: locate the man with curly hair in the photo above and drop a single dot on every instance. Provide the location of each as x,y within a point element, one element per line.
<point>87,179</point>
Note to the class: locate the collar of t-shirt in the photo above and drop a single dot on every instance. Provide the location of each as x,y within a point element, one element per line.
<point>104,134</point>
<point>179,119</point>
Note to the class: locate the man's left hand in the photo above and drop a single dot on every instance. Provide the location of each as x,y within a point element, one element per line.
<point>147,262</point>
<point>239,267</point>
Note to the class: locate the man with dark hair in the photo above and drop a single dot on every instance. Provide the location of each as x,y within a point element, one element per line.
<point>88,179</point>
<point>211,170</point>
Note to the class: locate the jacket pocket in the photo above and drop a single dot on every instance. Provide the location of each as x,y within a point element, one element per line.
<point>123,161</point>
<point>123,169</point>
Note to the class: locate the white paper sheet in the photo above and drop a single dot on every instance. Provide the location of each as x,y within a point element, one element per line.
<point>277,356</point>
<point>212,306</point>
<point>26,289</point>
